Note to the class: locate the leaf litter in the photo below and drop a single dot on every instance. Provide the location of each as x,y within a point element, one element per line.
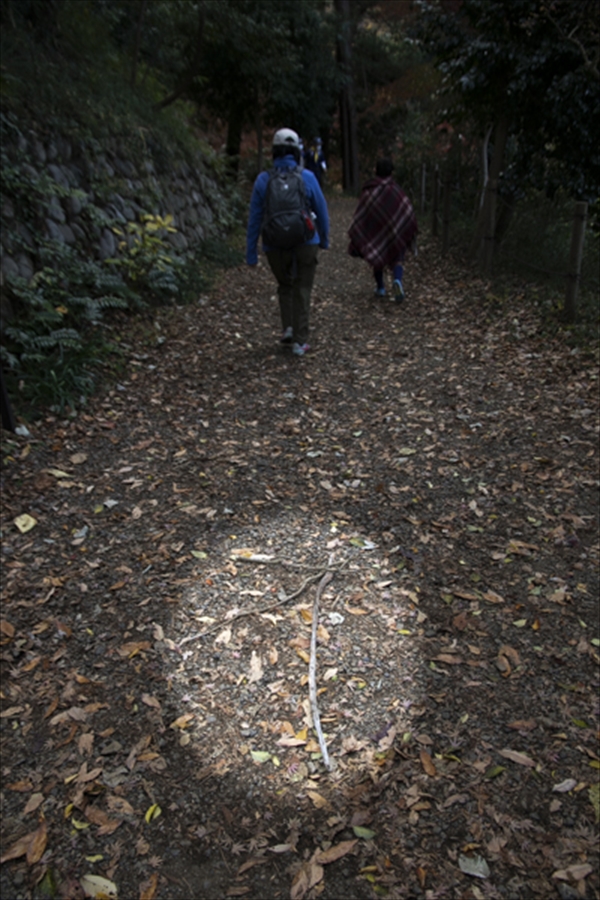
<point>156,727</point>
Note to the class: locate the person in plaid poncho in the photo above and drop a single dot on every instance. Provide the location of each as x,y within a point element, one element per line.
<point>384,226</point>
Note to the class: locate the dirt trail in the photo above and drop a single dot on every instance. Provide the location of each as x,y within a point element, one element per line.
<point>440,458</point>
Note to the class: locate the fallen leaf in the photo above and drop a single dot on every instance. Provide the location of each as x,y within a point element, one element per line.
<point>31,845</point>
<point>521,758</point>
<point>132,648</point>
<point>565,786</point>
<point>98,817</point>
<point>280,848</point>
<point>84,776</point>
<point>449,659</point>
<point>319,801</point>
<point>362,832</point>
<point>511,653</point>
<point>492,596</point>
<point>256,668</point>
<point>120,805</point>
<point>336,852</point>
<point>288,740</point>
<point>23,786</point>
<point>6,628</point>
<point>576,872</point>
<point>182,721</point>
<point>34,802</point>
<point>149,700</point>
<point>11,711</point>
<point>25,523</point>
<point>37,845</point>
<point>148,888</point>
<point>523,724</point>
<point>97,887</point>
<point>426,762</point>
<point>58,473</point>
<point>260,756</point>
<point>18,849</point>
<point>224,637</point>
<point>305,878</point>
<point>494,771</point>
<point>474,865</point>
<point>153,812</point>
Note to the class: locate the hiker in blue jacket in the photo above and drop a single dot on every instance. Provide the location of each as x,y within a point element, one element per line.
<point>294,268</point>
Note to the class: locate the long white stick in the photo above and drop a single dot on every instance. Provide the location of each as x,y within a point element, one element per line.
<point>312,672</point>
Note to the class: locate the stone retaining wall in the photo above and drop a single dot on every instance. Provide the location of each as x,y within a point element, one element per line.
<point>79,193</point>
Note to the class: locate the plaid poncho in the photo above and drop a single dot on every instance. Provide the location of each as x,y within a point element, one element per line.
<point>384,224</point>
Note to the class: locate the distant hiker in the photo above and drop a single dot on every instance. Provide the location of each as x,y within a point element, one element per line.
<point>289,208</point>
<point>314,160</point>
<point>384,227</point>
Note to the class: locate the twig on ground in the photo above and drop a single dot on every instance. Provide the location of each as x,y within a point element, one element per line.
<point>312,671</point>
<point>254,611</point>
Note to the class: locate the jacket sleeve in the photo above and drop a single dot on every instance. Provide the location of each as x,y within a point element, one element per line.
<point>255,218</point>
<point>318,205</point>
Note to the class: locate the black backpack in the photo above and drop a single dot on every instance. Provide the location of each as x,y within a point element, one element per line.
<point>287,223</point>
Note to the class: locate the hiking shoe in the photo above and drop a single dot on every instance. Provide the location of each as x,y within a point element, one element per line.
<point>287,336</point>
<point>379,292</point>
<point>398,291</point>
<point>300,349</point>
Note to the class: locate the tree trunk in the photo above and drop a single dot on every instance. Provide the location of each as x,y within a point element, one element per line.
<point>138,38</point>
<point>575,257</point>
<point>194,67</point>
<point>347,105</point>
<point>500,137</point>
<point>259,140</point>
<point>504,217</point>
<point>234,137</point>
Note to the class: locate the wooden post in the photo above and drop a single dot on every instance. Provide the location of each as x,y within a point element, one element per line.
<point>435,201</point>
<point>575,255</point>
<point>446,208</point>
<point>8,419</point>
<point>423,186</point>
<point>490,227</point>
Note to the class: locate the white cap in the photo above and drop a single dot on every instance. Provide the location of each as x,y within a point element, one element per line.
<point>285,137</point>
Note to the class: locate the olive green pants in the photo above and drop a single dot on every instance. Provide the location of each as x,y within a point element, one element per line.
<point>295,273</point>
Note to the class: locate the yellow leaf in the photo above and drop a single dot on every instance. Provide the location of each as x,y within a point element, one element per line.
<point>303,655</point>
<point>153,812</point>
<point>80,826</point>
<point>25,523</point>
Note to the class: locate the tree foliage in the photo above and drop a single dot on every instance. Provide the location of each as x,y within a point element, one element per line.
<point>535,63</point>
